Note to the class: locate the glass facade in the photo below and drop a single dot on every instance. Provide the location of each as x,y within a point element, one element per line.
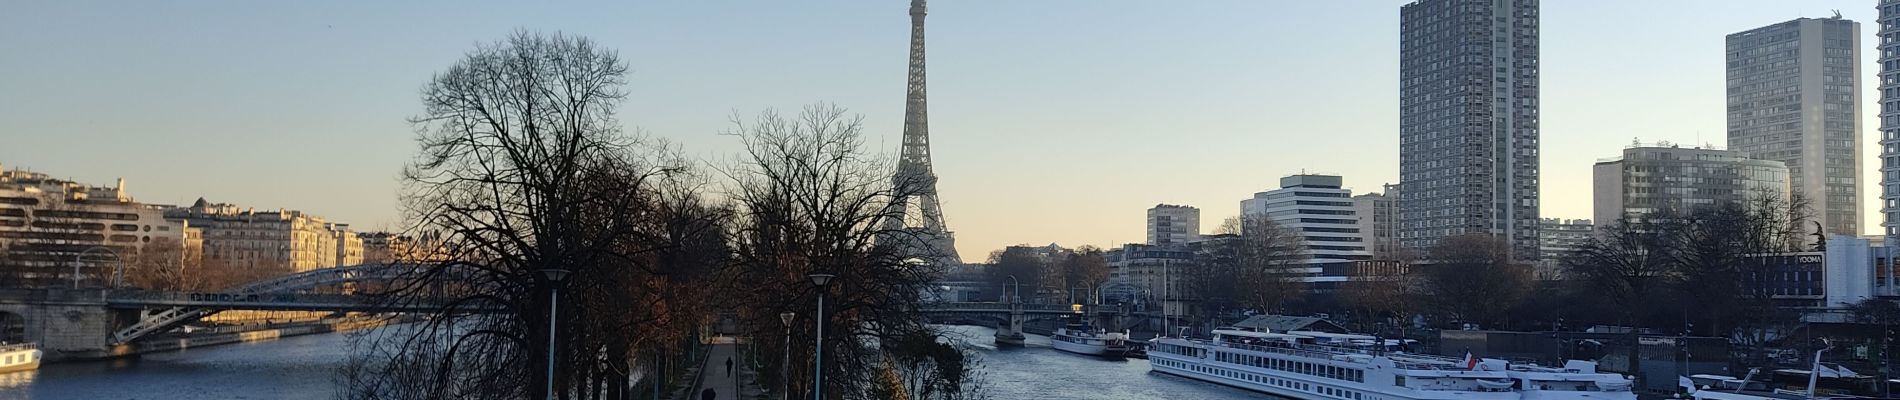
<point>1652,179</point>
<point>1793,97</point>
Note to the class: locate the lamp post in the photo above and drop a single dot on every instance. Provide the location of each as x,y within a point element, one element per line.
<point>785,365</point>
<point>554,276</point>
<point>1017,296</point>
<point>818,359</point>
<point>80,259</point>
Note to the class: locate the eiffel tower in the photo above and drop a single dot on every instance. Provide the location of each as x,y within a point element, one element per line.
<point>915,183</point>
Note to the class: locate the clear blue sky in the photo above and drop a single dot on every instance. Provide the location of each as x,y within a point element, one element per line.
<point>1052,121</point>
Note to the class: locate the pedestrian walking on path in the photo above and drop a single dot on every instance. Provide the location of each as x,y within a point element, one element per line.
<point>728,367</point>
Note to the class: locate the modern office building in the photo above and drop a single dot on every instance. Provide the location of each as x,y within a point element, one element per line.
<point>1468,121</point>
<point>1794,97</point>
<point>1170,224</point>
<point>1379,222</point>
<point>1651,179</point>
<point>1890,119</point>
<point>1321,212</point>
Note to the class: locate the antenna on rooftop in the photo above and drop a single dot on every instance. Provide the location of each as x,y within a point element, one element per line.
<point>1837,14</point>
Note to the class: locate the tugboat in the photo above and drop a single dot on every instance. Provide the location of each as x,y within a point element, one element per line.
<point>1080,338</point>
<point>19,357</point>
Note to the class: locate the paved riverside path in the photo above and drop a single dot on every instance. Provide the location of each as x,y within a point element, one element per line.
<point>713,374</point>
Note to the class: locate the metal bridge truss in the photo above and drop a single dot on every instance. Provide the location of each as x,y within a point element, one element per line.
<point>191,307</point>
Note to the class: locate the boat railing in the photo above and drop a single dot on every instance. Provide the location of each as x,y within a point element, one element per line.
<point>18,346</point>
<point>1404,361</point>
<point>1322,353</point>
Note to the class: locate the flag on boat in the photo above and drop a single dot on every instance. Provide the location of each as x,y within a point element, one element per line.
<point>1470,362</point>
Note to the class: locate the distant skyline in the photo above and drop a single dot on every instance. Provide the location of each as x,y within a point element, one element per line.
<point>1051,121</point>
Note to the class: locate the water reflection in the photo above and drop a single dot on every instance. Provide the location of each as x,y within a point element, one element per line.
<point>17,379</point>
<point>295,368</point>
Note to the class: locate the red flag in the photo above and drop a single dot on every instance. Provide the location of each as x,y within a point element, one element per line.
<point>1471,363</point>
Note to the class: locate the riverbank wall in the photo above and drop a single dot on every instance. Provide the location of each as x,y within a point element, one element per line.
<point>228,335</point>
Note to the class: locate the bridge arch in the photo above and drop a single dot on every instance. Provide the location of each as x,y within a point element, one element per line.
<point>12,327</point>
<point>173,317</point>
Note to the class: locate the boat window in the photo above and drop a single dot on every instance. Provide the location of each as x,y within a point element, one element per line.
<point>1398,380</point>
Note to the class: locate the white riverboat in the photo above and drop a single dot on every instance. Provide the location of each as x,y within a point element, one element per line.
<point>19,357</point>
<point>1296,366</point>
<point>1082,339</point>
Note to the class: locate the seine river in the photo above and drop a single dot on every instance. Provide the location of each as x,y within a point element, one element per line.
<point>304,367</point>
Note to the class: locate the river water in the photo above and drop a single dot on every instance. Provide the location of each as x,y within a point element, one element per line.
<point>294,368</point>
<point>304,367</point>
<point>1037,371</point>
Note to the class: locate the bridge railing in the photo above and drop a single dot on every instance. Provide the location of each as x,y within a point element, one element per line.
<point>192,298</point>
<point>994,306</point>
<point>291,300</point>
<point>174,316</point>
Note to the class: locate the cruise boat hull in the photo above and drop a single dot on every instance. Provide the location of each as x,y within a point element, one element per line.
<point>1252,361</point>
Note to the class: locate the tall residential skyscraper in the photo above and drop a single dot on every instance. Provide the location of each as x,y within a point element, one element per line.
<point>1170,224</point>
<point>1793,97</point>
<point>1890,118</point>
<point>1468,138</point>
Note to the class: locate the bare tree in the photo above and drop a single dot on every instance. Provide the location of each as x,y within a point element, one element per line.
<point>1022,263</point>
<point>523,170</point>
<point>810,199</point>
<point>1083,268</point>
<point>1629,263</point>
<point>1471,279</point>
<point>1699,259</point>
<point>1251,263</point>
<point>1381,292</point>
<point>163,263</point>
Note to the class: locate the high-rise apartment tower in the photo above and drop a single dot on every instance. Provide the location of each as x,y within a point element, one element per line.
<point>1793,97</point>
<point>1890,119</point>
<point>1468,138</point>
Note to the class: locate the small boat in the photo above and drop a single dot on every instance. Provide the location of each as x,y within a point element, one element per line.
<point>19,357</point>
<point>1137,349</point>
<point>1080,338</point>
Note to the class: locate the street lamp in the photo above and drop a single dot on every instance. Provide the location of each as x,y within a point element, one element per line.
<point>1017,296</point>
<point>818,360</point>
<point>80,259</point>
<point>554,276</point>
<point>785,365</point>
